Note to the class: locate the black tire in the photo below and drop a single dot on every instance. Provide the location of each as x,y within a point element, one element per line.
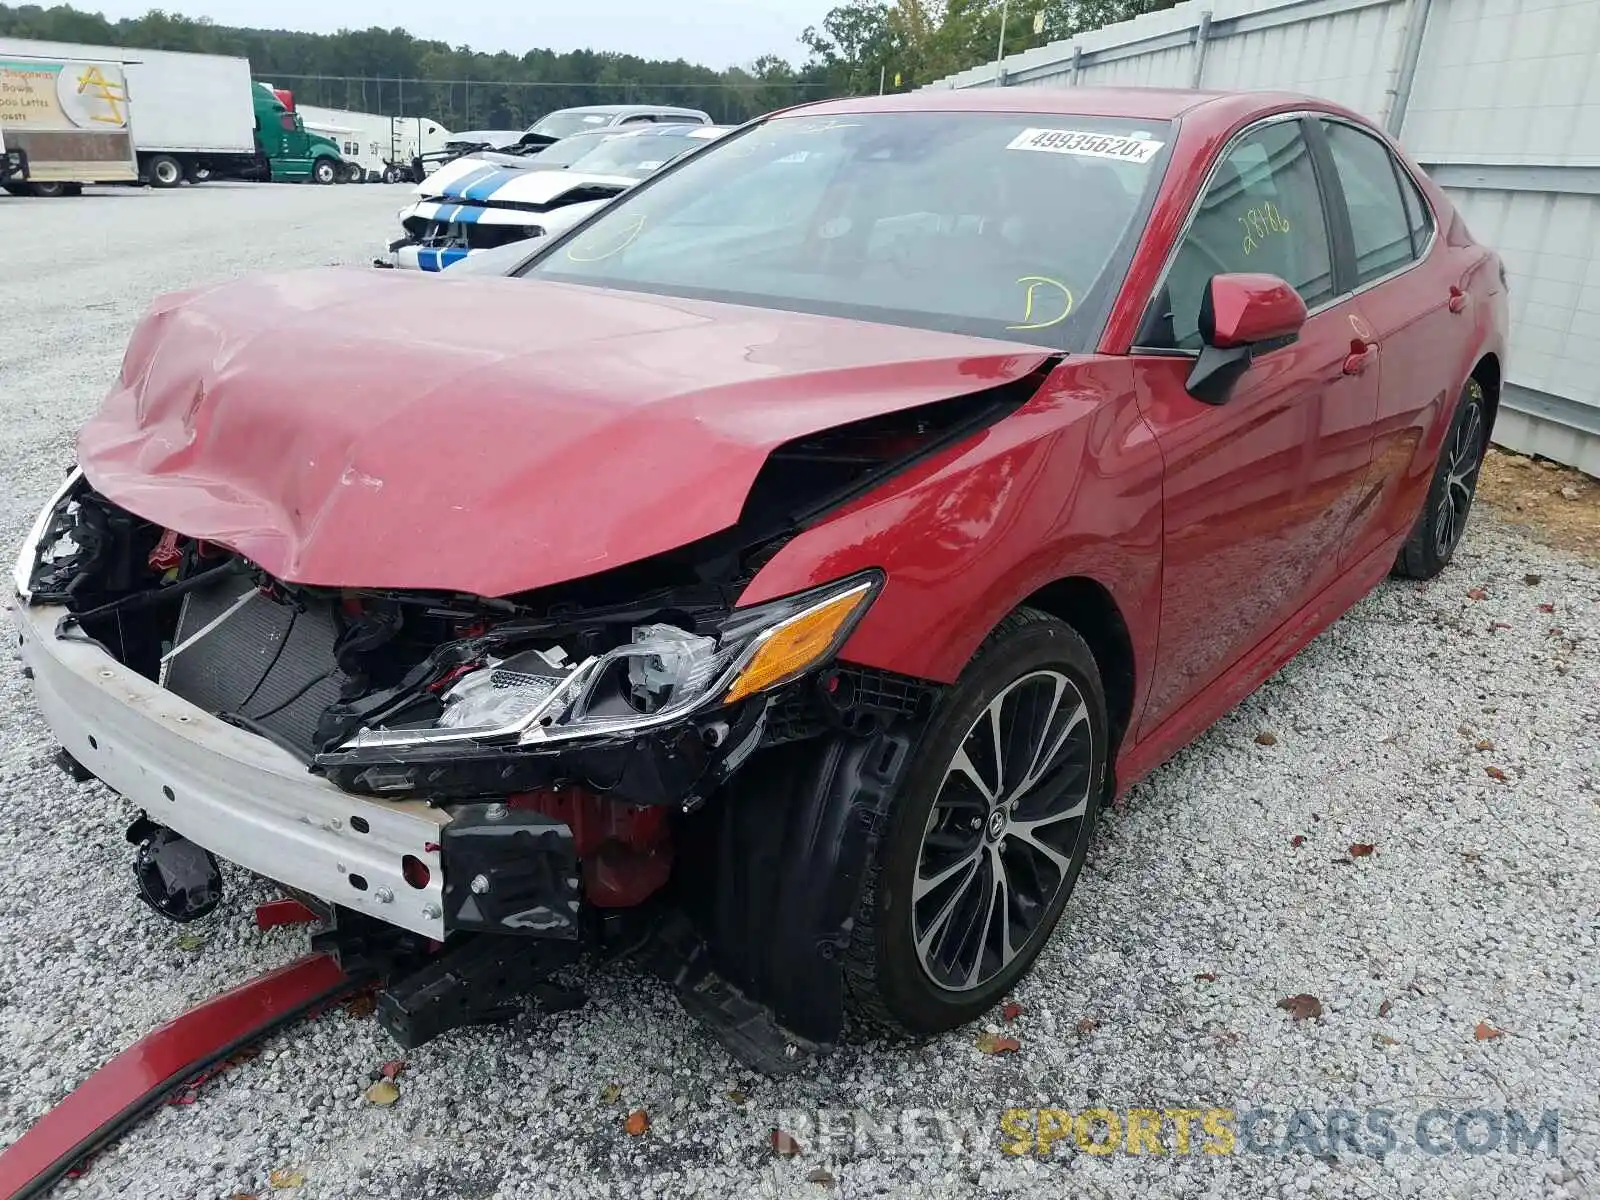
<point>889,987</point>
<point>1443,519</point>
<point>324,171</point>
<point>198,173</point>
<point>354,173</point>
<point>163,171</point>
<point>47,191</point>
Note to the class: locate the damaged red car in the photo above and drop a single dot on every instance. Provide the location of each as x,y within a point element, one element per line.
<point>773,576</point>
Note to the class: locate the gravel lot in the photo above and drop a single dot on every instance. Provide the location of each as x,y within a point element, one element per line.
<point>1200,909</point>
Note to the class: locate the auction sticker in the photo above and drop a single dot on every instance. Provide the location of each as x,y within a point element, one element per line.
<point>1090,145</point>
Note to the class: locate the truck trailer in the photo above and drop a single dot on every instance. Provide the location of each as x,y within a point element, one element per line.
<point>64,122</point>
<point>200,116</point>
<point>378,147</point>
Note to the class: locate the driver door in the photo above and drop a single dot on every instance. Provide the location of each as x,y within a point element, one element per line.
<point>1258,490</point>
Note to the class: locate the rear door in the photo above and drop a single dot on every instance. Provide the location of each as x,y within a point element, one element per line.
<point>1403,284</point>
<point>1259,489</point>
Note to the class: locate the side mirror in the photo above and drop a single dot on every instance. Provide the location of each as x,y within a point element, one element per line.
<point>1241,316</point>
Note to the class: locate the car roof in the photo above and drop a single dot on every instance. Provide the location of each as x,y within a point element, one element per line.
<point>1139,103</point>
<point>617,110</point>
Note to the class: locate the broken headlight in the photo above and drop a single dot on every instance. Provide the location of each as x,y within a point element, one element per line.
<point>662,674</point>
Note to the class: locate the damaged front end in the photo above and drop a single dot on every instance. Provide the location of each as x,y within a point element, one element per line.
<point>562,757</point>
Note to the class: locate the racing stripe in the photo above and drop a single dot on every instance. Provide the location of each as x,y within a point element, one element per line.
<point>438,260</point>
<point>458,186</point>
<point>484,188</point>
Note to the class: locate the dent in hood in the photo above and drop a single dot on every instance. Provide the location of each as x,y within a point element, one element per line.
<point>348,428</point>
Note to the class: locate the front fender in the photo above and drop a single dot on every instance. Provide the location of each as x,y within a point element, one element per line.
<point>1068,485</point>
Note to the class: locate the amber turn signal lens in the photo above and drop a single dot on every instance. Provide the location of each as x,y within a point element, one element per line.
<point>791,648</point>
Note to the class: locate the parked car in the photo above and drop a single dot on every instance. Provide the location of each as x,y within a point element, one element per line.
<point>484,201</point>
<point>783,567</point>
<point>565,122</point>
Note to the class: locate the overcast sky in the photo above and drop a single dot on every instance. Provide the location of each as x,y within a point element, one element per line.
<point>717,33</point>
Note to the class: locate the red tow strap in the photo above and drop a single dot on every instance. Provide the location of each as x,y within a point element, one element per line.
<point>158,1064</point>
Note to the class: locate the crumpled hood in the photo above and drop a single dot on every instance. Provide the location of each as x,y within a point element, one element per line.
<point>360,428</point>
<point>489,184</point>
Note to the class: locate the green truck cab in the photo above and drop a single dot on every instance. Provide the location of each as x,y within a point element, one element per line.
<point>292,154</point>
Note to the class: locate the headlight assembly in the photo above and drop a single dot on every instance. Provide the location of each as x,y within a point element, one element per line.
<point>664,673</point>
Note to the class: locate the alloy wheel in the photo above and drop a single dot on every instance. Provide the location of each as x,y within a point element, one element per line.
<point>1462,461</point>
<point>1003,831</point>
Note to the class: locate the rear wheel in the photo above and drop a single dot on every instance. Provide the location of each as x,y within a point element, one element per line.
<point>199,173</point>
<point>1443,518</point>
<point>987,835</point>
<point>354,174</point>
<point>164,171</point>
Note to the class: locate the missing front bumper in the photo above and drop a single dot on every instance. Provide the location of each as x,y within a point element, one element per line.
<point>232,792</point>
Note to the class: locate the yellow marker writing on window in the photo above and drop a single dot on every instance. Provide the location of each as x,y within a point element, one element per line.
<point>1044,295</point>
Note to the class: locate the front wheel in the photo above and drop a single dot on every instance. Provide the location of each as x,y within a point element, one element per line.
<point>324,171</point>
<point>987,835</point>
<point>1443,518</point>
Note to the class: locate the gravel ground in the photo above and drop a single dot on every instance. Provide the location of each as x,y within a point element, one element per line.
<point>1455,727</point>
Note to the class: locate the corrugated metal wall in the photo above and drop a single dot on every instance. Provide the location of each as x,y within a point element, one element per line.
<point>1498,99</point>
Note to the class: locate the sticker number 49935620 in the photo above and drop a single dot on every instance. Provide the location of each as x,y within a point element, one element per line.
<point>1091,145</point>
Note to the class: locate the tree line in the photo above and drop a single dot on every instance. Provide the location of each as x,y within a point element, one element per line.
<point>392,72</point>
<point>860,47</point>
<point>863,45</point>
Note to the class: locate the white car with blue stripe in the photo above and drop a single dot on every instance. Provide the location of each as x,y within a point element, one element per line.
<point>475,204</point>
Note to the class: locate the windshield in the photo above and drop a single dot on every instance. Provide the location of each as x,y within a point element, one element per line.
<point>570,149</point>
<point>565,124</point>
<point>1015,226</point>
<point>634,155</point>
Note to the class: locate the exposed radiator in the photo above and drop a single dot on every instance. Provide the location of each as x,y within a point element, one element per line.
<point>265,661</point>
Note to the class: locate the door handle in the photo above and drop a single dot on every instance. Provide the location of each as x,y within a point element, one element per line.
<point>1360,355</point>
<point>1458,300</point>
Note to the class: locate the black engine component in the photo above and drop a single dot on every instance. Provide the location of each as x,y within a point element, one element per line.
<point>177,878</point>
<point>510,870</point>
<point>474,981</point>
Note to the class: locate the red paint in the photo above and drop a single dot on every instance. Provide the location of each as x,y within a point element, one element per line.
<point>287,911</point>
<point>490,439</point>
<point>165,554</point>
<point>160,1060</point>
<point>625,850</point>
<point>510,434</point>
<point>1249,309</point>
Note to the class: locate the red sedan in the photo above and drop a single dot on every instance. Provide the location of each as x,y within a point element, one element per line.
<point>780,569</point>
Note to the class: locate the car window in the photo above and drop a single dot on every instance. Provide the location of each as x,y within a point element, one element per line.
<point>634,155</point>
<point>570,149</point>
<point>1014,226</point>
<point>1261,213</point>
<point>565,124</point>
<point>1369,178</point>
<point>1419,217</point>
<point>637,119</point>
